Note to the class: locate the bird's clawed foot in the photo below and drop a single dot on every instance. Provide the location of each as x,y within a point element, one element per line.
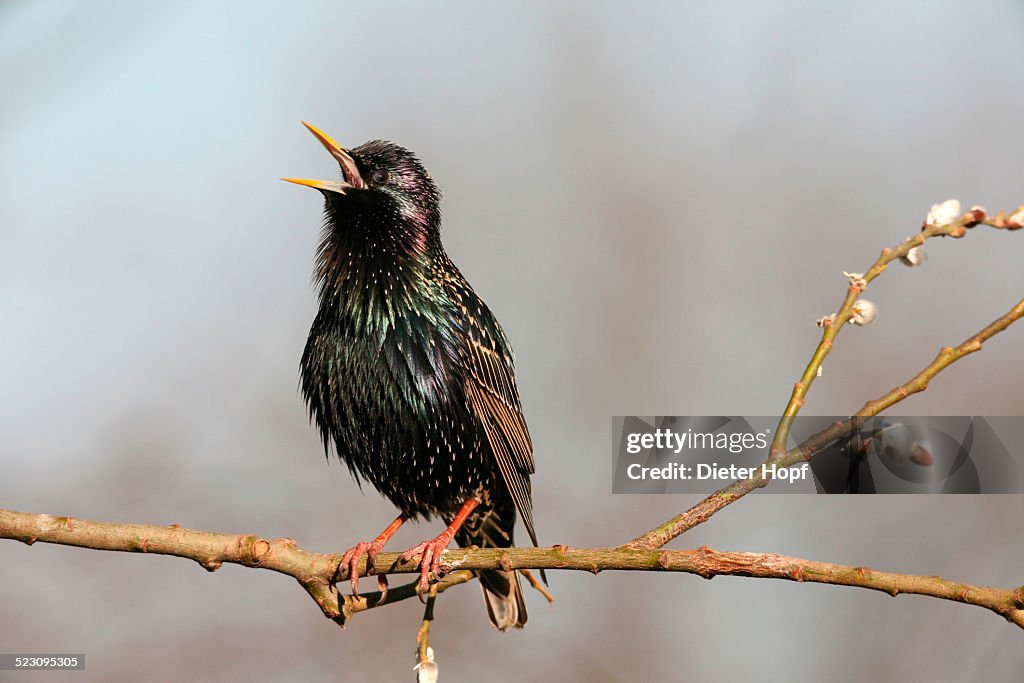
<point>430,559</point>
<point>354,555</point>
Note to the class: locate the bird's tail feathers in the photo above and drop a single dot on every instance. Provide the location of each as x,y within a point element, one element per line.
<point>503,593</point>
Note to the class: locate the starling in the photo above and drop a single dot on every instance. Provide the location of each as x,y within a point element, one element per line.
<point>407,373</point>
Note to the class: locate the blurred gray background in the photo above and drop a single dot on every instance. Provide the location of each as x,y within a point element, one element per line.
<point>657,200</point>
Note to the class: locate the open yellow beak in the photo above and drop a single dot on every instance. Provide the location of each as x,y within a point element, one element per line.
<point>349,169</point>
<point>329,185</point>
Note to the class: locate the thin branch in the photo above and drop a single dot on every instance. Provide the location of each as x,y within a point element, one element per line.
<point>212,549</point>
<point>832,327</point>
<point>537,585</point>
<point>706,508</point>
<point>947,356</point>
<point>426,667</point>
<point>353,604</point>
<point>315,572</point>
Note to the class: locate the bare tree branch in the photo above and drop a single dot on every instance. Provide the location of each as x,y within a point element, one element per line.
<point>317,572</point>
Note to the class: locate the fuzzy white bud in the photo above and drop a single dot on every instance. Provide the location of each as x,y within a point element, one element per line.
<point>944,213</point>
<point>864,312</point>
<point>915,257</point>
<point>426,670</point>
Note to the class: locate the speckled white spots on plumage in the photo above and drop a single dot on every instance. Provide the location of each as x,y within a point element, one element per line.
<point>400,340</point>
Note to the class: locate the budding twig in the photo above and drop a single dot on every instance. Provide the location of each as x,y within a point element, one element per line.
<point>831,325</point>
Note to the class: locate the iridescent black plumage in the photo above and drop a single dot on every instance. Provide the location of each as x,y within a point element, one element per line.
<point>406,372</point>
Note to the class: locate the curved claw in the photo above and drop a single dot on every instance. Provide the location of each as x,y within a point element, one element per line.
<point>430,560</point>
<point>354,555</point>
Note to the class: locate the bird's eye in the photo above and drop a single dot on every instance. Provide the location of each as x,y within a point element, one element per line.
<point>379,176</point>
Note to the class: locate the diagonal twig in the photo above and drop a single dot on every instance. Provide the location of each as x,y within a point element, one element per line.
<point>778,455</point>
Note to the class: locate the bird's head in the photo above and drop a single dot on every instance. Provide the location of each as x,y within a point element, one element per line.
<point>383,184</point>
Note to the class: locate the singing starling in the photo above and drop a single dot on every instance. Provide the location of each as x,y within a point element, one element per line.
<point>407,373</point>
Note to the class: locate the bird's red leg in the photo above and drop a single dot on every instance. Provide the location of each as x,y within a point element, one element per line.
<point>354,554</point>
<point>430,561</point>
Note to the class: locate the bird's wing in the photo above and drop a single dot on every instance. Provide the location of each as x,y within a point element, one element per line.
<point>494,399</point>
